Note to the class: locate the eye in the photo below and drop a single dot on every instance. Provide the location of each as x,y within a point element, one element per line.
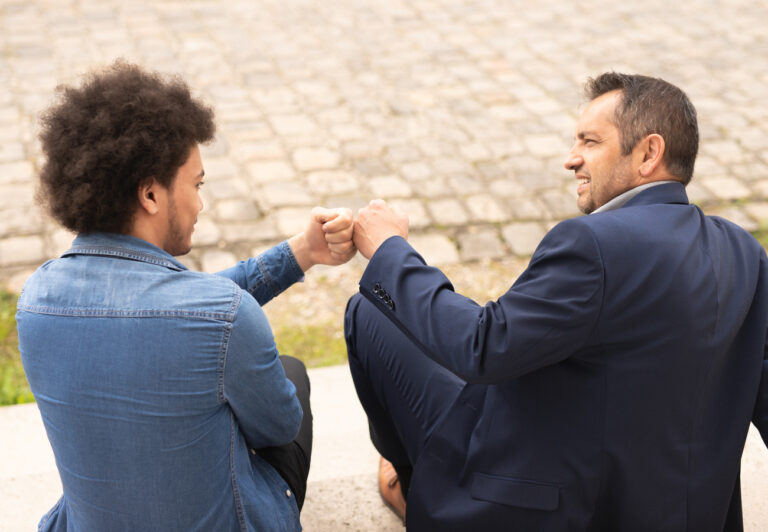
<point>199,185</point>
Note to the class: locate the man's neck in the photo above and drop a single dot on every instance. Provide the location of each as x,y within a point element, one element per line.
<point>624,197</point>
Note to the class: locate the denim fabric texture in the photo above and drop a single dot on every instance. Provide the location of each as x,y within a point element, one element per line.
<point>154,383</point>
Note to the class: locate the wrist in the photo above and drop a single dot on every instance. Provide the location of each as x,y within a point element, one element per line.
<point>300,249</point>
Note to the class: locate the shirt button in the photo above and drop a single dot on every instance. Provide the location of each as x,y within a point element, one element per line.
<point>287,493</point>
<point>253,451</point>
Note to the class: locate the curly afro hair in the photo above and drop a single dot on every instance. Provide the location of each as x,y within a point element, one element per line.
<point>101,140</point>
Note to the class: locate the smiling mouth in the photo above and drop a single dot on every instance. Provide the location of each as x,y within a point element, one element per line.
<point>582,182</point>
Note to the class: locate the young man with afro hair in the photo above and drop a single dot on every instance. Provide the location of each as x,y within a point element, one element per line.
<point>161,389</point>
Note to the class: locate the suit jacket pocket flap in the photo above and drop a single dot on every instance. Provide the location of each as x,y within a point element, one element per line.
<point>515,492</point>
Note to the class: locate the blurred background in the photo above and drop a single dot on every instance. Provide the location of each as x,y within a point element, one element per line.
<point>461,111</point>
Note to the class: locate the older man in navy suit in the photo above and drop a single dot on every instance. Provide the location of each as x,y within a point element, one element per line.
<point>612,386</point>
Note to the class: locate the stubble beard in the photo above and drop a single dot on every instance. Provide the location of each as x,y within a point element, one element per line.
<point>175,241</point>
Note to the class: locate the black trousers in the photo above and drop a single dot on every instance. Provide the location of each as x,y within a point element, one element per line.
<point>292,460</point>
<point>404,393</point>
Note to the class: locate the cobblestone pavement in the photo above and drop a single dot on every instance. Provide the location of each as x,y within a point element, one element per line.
<point>460,111</point>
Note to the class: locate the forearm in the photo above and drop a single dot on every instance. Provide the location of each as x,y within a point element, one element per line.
<point>268,274</point>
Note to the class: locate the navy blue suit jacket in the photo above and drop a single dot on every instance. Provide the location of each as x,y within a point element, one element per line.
<point>611,388</point>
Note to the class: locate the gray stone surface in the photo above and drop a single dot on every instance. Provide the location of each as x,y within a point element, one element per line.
<point>480,244</point>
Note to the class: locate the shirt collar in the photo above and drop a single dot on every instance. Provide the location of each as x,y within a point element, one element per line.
<point>623,198</point>
<point>122,246</point>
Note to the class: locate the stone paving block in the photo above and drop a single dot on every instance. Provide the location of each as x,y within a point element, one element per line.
<point>15,283</point>
<point>346,132</point>
<point>490,170</point>
<point>207,232</point>
<point>267,149</point>
<point>389,187</point>
<point>291,220</point>
<point>463,184</point>
<point>293,124</point>
<point>480,244</point>
<point>228,188</point>
<point>448,212</point>
<point>759,212</point>
<point>725,187</point>
<point>285,194</point>
<point>484,208</point>
<point>60,241</point>
<point>16,172</point>
<point>332,182</point>
<point>361,149</point>
<point>20,220</point>
<point>560,204</point>
<point>315,159</point>
<point>416,171</point>
<point>527,209</point>
<point>347,496</point>
<point>737,216</point>
<point>697,193</point>
<point>371,167</point>
<point>435,248</point>
<point>546,145</point>
<point>11,151</point>
<point>523,237</point>
<point>417,215</point>
<point>237,210</point>
<point>750,171</point>
<point>402,153</point>
<point>447,166</point>
<point>507,188</point>
<point>217,260</point>
<point>260,230</point>
<point>21,250</point>
<point>724,151</point>
<point>217,168</point>
<point>271,171</point>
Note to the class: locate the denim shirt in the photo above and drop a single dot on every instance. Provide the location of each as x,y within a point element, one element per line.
<point>154,382</point>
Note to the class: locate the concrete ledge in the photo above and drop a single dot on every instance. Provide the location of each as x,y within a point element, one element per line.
<point>342,493</point>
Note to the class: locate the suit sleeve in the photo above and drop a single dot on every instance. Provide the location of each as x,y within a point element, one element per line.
<point>760,415</point>
<point>254,383</point>
<point>546,316</point>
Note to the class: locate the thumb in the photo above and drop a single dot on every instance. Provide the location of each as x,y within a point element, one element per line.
<point>322,215</point>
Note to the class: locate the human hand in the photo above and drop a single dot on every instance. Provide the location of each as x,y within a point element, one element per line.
<point>376,223</point>
<point>326,240</point>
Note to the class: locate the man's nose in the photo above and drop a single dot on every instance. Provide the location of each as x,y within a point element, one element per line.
<point>573,161</point>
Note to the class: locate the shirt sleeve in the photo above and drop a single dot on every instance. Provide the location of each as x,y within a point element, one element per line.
<point>267,275</point>
<point>254,383</point>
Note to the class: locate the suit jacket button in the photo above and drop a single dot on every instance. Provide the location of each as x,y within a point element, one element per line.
<point>377,289</point>
<point>391,304</point>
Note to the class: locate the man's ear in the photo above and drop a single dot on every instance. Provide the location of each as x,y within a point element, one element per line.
<point>149,196</point>
<point>652,153</point>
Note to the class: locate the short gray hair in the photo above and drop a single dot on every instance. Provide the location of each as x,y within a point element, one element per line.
<point>652,105</point>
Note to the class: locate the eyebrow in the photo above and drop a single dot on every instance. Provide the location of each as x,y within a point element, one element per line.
<point>583,134</point>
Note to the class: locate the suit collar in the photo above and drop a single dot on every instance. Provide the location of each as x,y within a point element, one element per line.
<point>666,193</point>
